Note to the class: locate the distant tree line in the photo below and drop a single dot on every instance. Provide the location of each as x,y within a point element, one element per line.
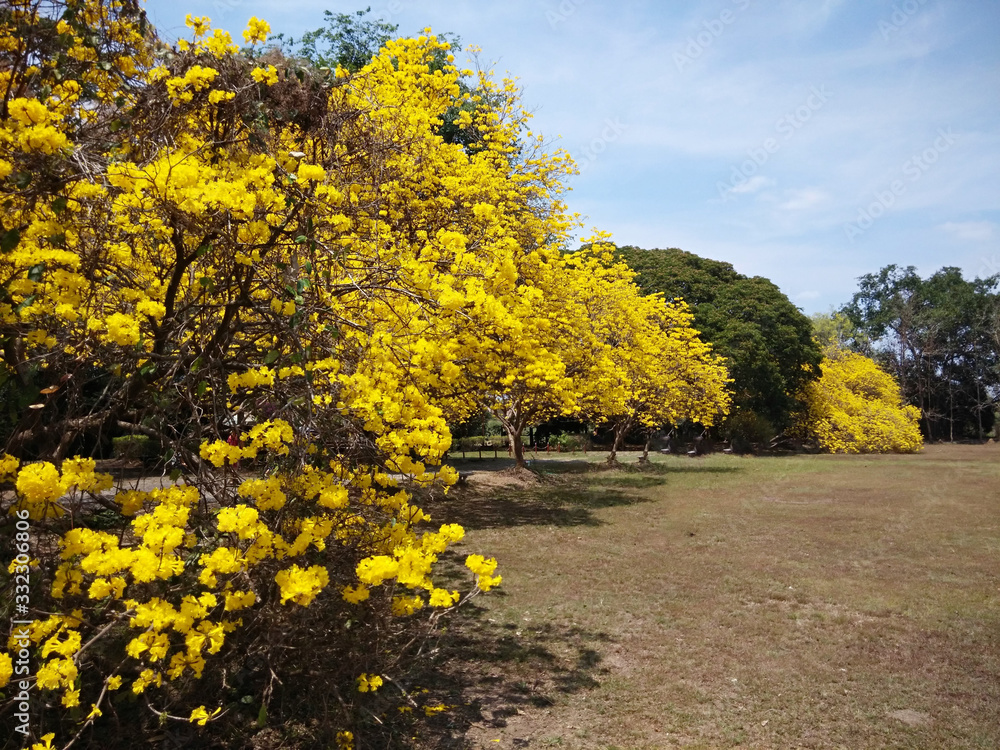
<point>940,337</point>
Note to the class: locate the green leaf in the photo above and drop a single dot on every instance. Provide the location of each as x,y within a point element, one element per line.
<point>205,282</point>
<point>9,240</point>
<point>202,387</point>
<point>262,717</point>
<point>59,204</point>
<point>272,356</point>
<point>175,474</point>
<point>35,273</point>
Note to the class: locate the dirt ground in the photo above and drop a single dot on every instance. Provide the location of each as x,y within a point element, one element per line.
<point>729,602</point>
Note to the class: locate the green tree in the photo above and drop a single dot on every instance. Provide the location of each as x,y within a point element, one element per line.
<point>937,336</point>
<point>766,340</point>
<point>349,40</point>
<point>835,329</point>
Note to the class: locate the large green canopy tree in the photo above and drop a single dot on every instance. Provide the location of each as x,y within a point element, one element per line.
<point>766,340</point>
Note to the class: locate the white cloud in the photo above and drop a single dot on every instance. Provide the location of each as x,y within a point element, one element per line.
<point>800,200</point>
<point>975,231</point>
<point>752,185</point>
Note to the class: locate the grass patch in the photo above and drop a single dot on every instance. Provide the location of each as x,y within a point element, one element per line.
<point>801,601</point>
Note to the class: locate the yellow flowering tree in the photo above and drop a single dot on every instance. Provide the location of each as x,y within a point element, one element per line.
<point>856,407</point>
<point>667,374</point>
<point>543,356</point>
<point>263,269</point>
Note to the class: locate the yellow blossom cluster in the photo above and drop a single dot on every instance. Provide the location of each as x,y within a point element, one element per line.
<point>856,407</point>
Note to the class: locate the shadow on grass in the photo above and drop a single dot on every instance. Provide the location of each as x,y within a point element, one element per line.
<point>488,671</point>
<point>540,465</point>
<point>542,506</point>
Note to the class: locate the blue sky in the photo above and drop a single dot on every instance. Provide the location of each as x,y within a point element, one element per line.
<point>807,141</point>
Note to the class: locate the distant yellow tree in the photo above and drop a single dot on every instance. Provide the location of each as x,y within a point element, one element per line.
<point>662,372</point>
<point>856,407</point>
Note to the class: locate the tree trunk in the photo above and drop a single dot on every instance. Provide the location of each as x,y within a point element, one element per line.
<point>620,431</point>
<point>645,448</point>
<point>516,444</point>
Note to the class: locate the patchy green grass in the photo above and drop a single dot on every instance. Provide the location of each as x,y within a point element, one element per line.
<point>803,601</point>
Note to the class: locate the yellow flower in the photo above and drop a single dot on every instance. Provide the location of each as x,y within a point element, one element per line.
<point>406,605</point>
<point>27,112</point>
<point>122,329</point>
<point>442,598</point>
<point>267,76</point>
<point>200,24</point>
<point>374,570</point>
<point>241,519</point>
<point>8,467</point>
<point>237,600</point>
<point>355,594</point>
<point>6,669</point>
<point>256,30</point>
<point>310,172</point>
<point>39,483</point>
<point>301,585</point>
<point>369,683</point>
<point>202,716</point>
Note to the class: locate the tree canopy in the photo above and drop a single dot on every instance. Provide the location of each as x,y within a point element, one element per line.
<point>939,337</point>
<point>766,340</point>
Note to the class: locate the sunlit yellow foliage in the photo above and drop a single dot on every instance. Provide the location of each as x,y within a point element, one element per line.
<point>288,282</point>
<point>856,407</point>
<point>660,373</point>
<point>254,302</point>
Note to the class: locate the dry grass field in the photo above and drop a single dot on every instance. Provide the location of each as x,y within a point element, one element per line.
<point>730,602</point>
